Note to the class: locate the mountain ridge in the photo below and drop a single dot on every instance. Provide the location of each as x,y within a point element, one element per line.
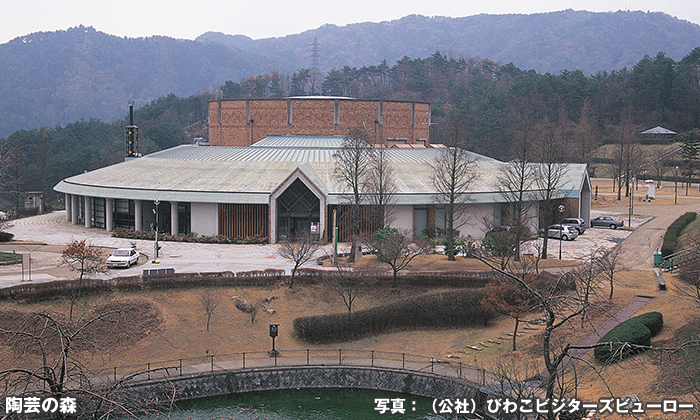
<point>49,78</point>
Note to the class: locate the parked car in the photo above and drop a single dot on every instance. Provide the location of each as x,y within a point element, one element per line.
<point>608,221</point>
<point>564,232</point>
<point>123,257</point>
<point>577,222</point>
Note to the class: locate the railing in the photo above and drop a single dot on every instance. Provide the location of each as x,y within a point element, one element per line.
<point>680,258</point>
<point>296,358</point>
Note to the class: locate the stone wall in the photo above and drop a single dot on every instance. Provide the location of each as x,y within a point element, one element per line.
<point>251,380</point>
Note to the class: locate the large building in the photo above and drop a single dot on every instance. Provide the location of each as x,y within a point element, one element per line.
<point>244,122</point>
<point>281,183</point>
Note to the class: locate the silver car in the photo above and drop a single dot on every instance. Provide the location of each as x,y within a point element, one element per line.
<point>608,221</point>
<point>564,232</point>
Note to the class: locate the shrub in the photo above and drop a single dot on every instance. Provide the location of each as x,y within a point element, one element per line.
<point>674,231</point>
<point>622,341</point>
<point>449,309</point>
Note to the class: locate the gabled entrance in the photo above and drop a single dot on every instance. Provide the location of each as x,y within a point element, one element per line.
<point>297,211</point>
<point>297,206</point>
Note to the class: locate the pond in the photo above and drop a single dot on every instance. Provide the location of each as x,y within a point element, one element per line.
<point>306,404</point>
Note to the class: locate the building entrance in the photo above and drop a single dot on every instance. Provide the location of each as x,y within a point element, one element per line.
<point>298,211</point>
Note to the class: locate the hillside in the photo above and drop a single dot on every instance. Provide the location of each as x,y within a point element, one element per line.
<point>51,78</point>
<point>546,42</point>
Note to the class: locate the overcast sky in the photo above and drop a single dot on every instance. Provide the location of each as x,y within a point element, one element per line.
<point>273,18</point>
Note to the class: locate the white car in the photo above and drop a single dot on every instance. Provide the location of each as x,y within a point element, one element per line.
<point>123,257</point>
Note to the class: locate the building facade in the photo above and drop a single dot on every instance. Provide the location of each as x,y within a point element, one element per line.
<point>244,122</point>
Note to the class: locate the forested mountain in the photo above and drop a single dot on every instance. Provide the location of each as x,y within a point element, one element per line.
<point>54,78</point>
<point>546,42</point>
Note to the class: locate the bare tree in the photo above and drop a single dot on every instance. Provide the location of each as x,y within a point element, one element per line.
<point>609,263</point>
<point>564,300</point>
<point>453,172</point>
<point>381,188</point>
<point>549,174</point>
<point>209,303</point>
<point>86,260</point>
<point>392,247</point>
<point>349,282</point>
<point>352,169</point>
<point>52,351</point>
<point>14,169</point>
<point>515,181</point>
<point>298,249</point>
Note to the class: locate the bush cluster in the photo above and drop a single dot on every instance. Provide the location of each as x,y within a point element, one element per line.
<point>674,231</point>
<point>457,308</point>
<point>624,338</point>
<point>37,292</point>
<point>189,237</point>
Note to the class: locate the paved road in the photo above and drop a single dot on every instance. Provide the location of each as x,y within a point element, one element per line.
<point>638,249</point>
<point>184,257</point>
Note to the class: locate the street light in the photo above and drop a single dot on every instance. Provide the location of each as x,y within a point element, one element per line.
<point>561,209</point>
<point>675,188</point>
<point>156,247</point>
<point>631,209</point>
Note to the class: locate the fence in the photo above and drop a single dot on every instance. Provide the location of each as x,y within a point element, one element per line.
<point>297,358</point>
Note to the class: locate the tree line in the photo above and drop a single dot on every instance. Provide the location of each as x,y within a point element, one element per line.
<point>499,105</point>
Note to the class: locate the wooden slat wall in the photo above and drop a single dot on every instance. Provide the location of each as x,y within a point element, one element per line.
<point>241,220</point>
<point>367,225</point>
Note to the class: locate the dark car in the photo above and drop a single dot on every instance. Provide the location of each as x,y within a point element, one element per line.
<point>577,222</point>
<point>607,221</point>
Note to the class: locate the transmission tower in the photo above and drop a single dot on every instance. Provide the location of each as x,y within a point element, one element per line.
<point>315,53</point>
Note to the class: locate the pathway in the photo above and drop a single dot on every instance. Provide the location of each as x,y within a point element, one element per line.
<point>623,315</point>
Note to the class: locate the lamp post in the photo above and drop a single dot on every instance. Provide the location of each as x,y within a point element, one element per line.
<point>675,188</point>
<point>561,209</point>
<point>631,208</point>
<point>155,247</point>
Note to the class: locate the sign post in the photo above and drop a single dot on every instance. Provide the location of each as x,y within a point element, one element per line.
<point>274,330</point>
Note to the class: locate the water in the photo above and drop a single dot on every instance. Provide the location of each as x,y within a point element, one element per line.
<point>303,404</point>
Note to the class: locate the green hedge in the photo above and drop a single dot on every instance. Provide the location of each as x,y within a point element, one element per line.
<point>189,237</point>
<point>448,309</point>
<point>674,231</point>
<point>622,340</point>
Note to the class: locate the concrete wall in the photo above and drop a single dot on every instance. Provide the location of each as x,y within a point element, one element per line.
<point>205,218</point>
<point>472,221</point>
<point>402,218</point>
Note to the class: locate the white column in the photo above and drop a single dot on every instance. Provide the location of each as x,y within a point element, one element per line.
<point>88,211</point>
<point>173,218</point>
<point>74,208</point>
<point>138,215</point>
<point>69,212</point>
<point>109,216</point>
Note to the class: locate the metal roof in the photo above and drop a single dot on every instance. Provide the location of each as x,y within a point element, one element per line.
<point>250,174</point>
<point>658,130</point>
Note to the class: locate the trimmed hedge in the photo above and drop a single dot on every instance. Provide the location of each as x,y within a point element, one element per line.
<point>622,340</point>
<point>457,308</point>
<point>674,231</point>
<point>190,237</point>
